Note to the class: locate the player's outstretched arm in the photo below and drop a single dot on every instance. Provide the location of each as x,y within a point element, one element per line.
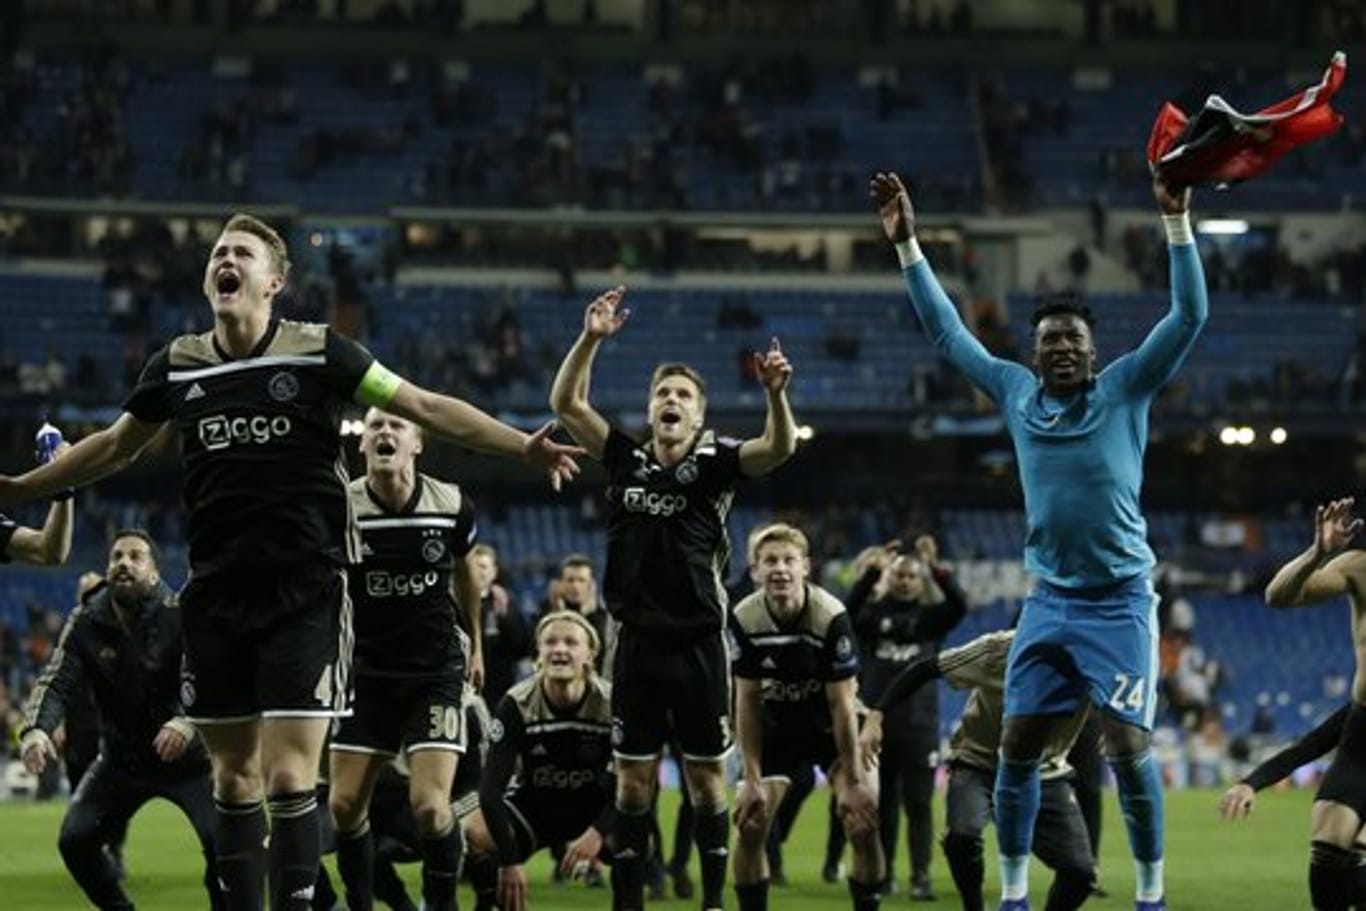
<point>99,455</point>
<point>1157,359</point>
<point>458,420</point>
<point>937,314</point>
<point>603,317</point>
<point>760,455</point>
<point>1326,568</point>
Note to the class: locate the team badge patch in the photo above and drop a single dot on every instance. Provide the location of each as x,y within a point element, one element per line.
<point>495,730</point>
<point>187,692</point>
<point>283,386</point>
<point>433,550</point>
<point>686,472</point>
<point>843,647</point>
<point>618,735</point>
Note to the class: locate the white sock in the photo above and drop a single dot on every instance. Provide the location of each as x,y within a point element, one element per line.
<point>1014,878</point>
<point>1148,880</point>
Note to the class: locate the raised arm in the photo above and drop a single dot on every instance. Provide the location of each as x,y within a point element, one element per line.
<point>762,454</point>
<point>1324,570</point>
<point>1157,359</point>
<point>97,456</point>
<point>569,392</point>
<point>937,314</point>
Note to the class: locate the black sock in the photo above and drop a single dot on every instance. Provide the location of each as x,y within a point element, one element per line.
<point>964,854</point>
<point>1331,874</point>
<point>484,878</point>
<point>1070,890</point>
<point>866,896</point>
<point>713,850</point>
<point>324,896</point>
<point>356,865</point>
<point>240,842</point>
<point>389,887</point>
<point>751,896</point>
<point>441,869</point>
<point>295,844</point>
<point>628,858</point>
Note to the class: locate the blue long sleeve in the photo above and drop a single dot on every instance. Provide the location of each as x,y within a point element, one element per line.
<point>946,331</point>
<point>1156,361</point>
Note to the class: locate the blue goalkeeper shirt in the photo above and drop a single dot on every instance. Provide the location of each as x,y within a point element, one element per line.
<point>1080,456</point>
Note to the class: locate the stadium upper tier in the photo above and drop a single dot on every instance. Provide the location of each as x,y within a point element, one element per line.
<point>853,351</point>
<point>776,135</point>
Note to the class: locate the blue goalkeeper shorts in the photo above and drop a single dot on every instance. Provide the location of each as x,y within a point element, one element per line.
<point>1099,644</point>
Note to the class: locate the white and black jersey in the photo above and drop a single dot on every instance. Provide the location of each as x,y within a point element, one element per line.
<point>406,616</point>
<point>265,484</point>
<point>667,548</point>
<point>550,766</point>
<point>794,659</point>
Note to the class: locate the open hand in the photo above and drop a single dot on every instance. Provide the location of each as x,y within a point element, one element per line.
<point>603,318</point>
<point>555,459</point>
<point>894,205</point>
<point>1237,802</point>
<point>1335,526</point>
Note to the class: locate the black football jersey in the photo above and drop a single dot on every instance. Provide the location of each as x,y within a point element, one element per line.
<point>667,547</point>
<point>796,659</point>
<point>265,483</point>
<point>406,616</point>
<point>7,529</point>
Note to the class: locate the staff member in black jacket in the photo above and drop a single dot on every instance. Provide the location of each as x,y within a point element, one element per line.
<point>123,646</point>
<point>921,605</point>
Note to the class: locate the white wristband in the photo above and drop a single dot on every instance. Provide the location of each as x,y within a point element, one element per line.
<point>908,251</point>
<point>1178,228</point>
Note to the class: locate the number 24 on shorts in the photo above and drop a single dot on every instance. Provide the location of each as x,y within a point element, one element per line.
<point>1128,694</point>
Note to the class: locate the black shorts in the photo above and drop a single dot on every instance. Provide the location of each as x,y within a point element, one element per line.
<point>791,755</point>
<point>538,823</point>
<point>662,687</point>
<point>1345,780</point>
<point>408,713</point>
<point>270,644</point>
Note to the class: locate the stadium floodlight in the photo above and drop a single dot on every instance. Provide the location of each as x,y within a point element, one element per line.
<point>1278,435</point>
<point>1228,436</point>
<point>1246,436</point>
<point>1223,226</point>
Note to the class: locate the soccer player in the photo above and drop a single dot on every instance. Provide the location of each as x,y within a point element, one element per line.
<point>548,773</point>
<point>411,587</point>
<point>257,402</point>
<point>1326,571</point>
<point>123,647</point>
<point>921,605</point>
<point>1089,628</point>
<point>1060,837</point>
<point>795,680</point>
<point>668,498</point>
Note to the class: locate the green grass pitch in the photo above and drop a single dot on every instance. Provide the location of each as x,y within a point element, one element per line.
<point>1258,865</point>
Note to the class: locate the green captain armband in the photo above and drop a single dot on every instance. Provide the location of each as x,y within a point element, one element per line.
<point>378,387</point>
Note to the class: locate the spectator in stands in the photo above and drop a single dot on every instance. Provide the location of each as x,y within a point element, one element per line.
<point>506,633</point>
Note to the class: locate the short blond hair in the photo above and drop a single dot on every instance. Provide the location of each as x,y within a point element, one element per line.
<point>250,224</point>
<point>776,533</point>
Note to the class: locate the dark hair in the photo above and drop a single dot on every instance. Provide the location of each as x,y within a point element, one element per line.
<point>1064,304</point>
<point>142,536</point>
<point>574,561</point>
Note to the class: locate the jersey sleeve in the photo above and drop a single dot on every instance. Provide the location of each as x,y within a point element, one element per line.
<point>349,368</point>
<point>726,465</point>
<point>7,529</point>
<point>150,400</point>
<point>616,451</point>
<point>841,658</point>
<point>505,743</point>
<point>466,528</point>
<point>745,657</point>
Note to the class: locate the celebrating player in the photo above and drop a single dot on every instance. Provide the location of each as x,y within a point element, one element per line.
<point>257,402</point>
<point>666,557</point>
<point>795,671</point>
<point>413,580</point>
<point>1089,628</point>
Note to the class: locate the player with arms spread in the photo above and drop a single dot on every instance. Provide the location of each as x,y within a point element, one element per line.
<point>1089,628</point>
<point>257,402</point>
<point>667,549</point>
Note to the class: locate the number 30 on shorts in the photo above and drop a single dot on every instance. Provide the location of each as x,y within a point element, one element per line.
<point>445,721</point>
<point>1128,695</point>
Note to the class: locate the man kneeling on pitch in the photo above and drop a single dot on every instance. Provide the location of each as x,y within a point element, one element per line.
<point>548,775</point>
<point>795,670</point>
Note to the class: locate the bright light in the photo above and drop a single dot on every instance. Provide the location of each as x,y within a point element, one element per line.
<point>1246,436</point>
<point>352,428</point>
<point>805,432</point>
<point>1228,436</point>
<point>316,239</point>
<point>1278,435</point>
<point>1229,226</point>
